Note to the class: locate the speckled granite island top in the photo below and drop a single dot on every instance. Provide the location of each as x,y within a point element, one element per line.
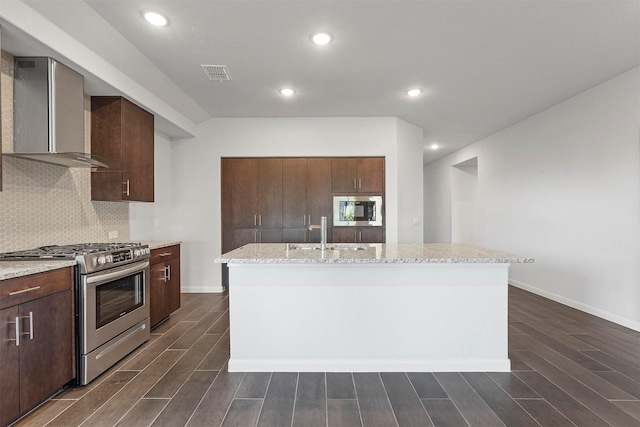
<point>13,269</point>
<point>370,253</point>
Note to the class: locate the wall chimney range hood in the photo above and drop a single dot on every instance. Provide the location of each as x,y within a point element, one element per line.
<point>48,120</point>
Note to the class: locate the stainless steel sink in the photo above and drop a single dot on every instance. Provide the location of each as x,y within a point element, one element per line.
<point>329,247</point>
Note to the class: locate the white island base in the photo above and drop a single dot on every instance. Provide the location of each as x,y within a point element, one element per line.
<point>370,317</point>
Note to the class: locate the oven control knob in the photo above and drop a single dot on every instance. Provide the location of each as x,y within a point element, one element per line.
<point>137,252</point>
<point>102,259</point>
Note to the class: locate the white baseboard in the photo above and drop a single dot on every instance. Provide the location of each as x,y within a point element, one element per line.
<point>376,365</point>
<point>202,290</point>
<point>578,305</point>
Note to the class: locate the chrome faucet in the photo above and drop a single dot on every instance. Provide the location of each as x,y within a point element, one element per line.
<point>323,231</point>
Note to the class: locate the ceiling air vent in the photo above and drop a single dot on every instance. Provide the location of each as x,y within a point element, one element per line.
<point>216,72</point>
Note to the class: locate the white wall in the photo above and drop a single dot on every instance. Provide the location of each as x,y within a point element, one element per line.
<point>143,217</point>
<point>196,173</point>
<point>464,202</point>
<point>563,187</point>
<point>409,183</point>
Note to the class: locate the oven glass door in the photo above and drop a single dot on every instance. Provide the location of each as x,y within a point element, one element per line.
<point>357,211</point>
<point>112,301</point>
<point>119,297</point>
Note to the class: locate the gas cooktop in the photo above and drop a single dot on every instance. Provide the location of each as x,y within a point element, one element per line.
<point>90,256</point>
<point>68,251</point>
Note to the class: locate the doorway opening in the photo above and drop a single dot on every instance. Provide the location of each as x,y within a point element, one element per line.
<point>464,201</point>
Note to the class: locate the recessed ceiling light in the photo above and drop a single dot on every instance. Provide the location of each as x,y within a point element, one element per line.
<point>414,92</point>
<point>321,38</point>
<point>434,146</point>
<point>287,91</point>
<point>154,18</point>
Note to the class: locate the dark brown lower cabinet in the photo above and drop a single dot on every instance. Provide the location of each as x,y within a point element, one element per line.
<point>165,283</point>
<point>303,235</point>
<point>37,354</point>
<point>358,235</point>
<point>243,236</point>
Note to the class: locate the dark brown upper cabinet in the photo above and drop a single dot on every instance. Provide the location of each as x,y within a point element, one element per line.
<point>122,136</point>
<point>357,175</point>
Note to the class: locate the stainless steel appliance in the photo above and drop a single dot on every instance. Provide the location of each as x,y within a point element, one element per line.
<point>48,99</point>
<point>357,211</point>
<point>112,300</point>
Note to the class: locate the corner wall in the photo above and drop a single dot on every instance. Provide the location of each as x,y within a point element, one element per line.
<point>563,187</point>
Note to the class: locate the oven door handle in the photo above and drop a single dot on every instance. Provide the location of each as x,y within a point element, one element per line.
<point>123,272</point>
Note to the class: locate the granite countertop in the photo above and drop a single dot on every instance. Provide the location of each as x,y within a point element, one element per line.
<point>370,253</point>
<point>13,269</point>
<point>157,244</point>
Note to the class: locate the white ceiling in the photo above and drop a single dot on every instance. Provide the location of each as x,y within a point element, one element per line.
<point>484,65</point>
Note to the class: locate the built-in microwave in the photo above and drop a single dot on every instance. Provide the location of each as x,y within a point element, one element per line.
<point>357,211</point>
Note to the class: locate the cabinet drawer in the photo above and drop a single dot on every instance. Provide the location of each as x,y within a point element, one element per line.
<point>27,288</point>
<point>163,254</point>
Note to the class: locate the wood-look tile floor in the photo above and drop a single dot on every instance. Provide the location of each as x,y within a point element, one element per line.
<point>568,368</point>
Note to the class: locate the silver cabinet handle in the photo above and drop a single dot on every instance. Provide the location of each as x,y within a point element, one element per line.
<point>164,254</point>
<point>164,274</point>
<point>127,186</point>
<point>168,273</point>
<point>304,219</point>
<point>17,329</point>
<point>260,219</point>
<point>255,237</point>
<point>31,325</point>
<point>309,219</point>
<point>21,291</point>
<point>354,184</point>
<point>30,333</point>
<point>359,183</point>
<point>260,235</point>
<point>255,220</point>
<point>360,237</point>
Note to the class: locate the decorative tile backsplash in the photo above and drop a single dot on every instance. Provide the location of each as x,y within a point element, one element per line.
<point>44,204</point>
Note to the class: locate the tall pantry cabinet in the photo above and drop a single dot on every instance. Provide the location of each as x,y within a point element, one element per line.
<point>251,201</point>
<point>306,198</point>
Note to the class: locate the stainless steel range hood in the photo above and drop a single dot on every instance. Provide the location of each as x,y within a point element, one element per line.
<point>48,120</point>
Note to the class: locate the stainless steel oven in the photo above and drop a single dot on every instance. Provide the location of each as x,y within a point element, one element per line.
<point>111,300</point>
<point>114,316</point>
<point>357,211</point>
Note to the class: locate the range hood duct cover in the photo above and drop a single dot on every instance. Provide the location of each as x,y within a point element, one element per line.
<point>48,120</point>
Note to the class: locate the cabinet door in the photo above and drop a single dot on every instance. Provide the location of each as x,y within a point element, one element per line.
<point>243,174</point>
<point>46,349</point>
<point>371,175</point>
<point>137,155</point>
<point>243,236</point>
<point>295,235</point>
<point>371,235</point>
<point>344,171</point>
<point>358,235</point>
<point>122,134</point>
<point>345,235</point>
<point>319,197</point>
<point>9,367</point>
<point>270,193</point>
<point>158,297</point>
<point>270,235</point>
<point>173,285</point>
<point>294,199</point>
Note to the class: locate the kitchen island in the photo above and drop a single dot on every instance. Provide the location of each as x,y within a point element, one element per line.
<point>363,308</point>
